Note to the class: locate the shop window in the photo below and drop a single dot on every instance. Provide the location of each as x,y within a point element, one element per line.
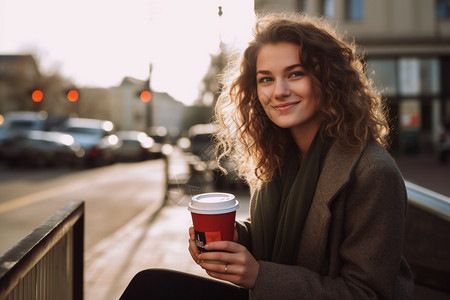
<point>383,74</point>
<point>354,10</point>
<point>430,76</point>
<point>443,9</point>
<point>409,76</point>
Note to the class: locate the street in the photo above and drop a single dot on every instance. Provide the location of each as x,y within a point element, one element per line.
<point>113,195</point>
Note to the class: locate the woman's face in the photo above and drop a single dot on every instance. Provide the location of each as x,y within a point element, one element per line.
<point>285,89</point>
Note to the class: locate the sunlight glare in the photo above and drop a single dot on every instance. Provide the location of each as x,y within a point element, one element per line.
<point>98,43</point>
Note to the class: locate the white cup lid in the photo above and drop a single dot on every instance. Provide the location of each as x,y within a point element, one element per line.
<point>213,203</point>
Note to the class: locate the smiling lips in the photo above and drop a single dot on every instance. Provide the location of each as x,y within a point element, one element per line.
<point>285,106</point>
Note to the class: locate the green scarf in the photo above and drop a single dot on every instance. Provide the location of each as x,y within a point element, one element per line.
<point>283,204</point>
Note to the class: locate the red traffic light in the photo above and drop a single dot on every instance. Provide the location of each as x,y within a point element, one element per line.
<point>37,96</point>
<point>72,95</point>
<point>145,96</point>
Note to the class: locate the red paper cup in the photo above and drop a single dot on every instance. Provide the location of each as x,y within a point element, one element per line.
<point>213,215</point>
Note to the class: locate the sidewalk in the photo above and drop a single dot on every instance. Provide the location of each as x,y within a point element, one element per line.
<point>159,242</point>
<point>157,238</point>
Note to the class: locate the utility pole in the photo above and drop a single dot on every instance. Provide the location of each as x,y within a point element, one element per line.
<point>148,104</point>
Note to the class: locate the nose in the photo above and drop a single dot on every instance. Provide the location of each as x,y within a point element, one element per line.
<point>282,89</point>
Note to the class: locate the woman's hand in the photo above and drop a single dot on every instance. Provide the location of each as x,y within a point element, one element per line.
<point>193,249</point>
<point>231,262</point>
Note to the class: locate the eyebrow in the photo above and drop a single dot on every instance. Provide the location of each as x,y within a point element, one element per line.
<point>289,68</point>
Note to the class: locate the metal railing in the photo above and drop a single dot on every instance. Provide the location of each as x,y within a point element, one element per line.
<point>427,237</point>
<point>434,202</point>
<point>48,263</point>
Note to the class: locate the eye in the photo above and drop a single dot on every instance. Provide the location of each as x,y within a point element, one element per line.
<point>264,79</point>
<point>297,74</point>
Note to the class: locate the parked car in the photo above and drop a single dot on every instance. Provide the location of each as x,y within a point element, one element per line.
<point>17,127</point>
<point>36,148</point>
<point>200,137</point>
<point>17,123</point>
<point>96,137</point>
<point>136,146</point>
<point>200,145</point>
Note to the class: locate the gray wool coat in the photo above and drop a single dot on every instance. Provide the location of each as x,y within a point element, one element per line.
<point>351,245</point>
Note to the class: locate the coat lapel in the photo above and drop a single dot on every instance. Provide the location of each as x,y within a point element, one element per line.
<point>335,175</point>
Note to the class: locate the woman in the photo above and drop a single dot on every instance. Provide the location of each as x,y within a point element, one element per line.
<point>327,202</point>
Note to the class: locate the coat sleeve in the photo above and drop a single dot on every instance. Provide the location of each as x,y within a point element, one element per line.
<point>244,233</point>
<point>369,253</point>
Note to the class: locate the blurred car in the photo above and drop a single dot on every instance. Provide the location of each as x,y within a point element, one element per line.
<point>18,124</point>
<point>136,146</point>
<point>200,137</point>
<point>159,134</point>
<point>36,148</point>
<point>96,137</point>
<point>199,143</point>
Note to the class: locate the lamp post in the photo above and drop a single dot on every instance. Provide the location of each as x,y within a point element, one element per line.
<point>146,96</point>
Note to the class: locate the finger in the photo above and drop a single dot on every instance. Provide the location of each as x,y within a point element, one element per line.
<point>194,257</point>
<point>224,246</point>
<point>193,250</point>
<point>216,267</point>
<point>191,233</point>
<point>217,258</point>
<point>220,273</point>
<point>223,276</point>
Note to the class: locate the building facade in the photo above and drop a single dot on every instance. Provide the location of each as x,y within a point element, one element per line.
<point>406,44</point>
<point>18,75</point>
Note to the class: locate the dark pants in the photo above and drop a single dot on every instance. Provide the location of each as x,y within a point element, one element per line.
<point>168,284</point>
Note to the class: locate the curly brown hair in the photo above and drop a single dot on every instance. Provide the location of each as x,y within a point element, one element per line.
<point>352,110</point>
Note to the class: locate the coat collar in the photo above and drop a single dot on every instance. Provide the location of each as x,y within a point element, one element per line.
<point>336,173</point>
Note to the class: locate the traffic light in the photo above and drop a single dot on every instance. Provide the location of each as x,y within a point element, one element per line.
<point>72,95</point>
<point>145,96</point>
<point>37,95</point>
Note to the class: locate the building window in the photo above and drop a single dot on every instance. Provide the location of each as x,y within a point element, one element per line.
<point>328,8</point>
<point>409,76</point>
<point>354,10</point>
<point>383,72</point>
<point>406,76</point>
<point>430,73</point>
<point>443,9</point>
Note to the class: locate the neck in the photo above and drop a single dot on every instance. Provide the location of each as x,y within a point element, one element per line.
<point>303,138</point>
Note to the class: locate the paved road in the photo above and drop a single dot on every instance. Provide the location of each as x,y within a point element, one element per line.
<point>113,195</point>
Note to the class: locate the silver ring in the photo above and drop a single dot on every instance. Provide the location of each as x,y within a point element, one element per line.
<point>226,267</point>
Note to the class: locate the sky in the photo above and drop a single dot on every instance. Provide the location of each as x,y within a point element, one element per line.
<point>96,43</point>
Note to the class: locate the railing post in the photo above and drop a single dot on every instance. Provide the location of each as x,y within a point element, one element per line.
<point>78,259</point>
